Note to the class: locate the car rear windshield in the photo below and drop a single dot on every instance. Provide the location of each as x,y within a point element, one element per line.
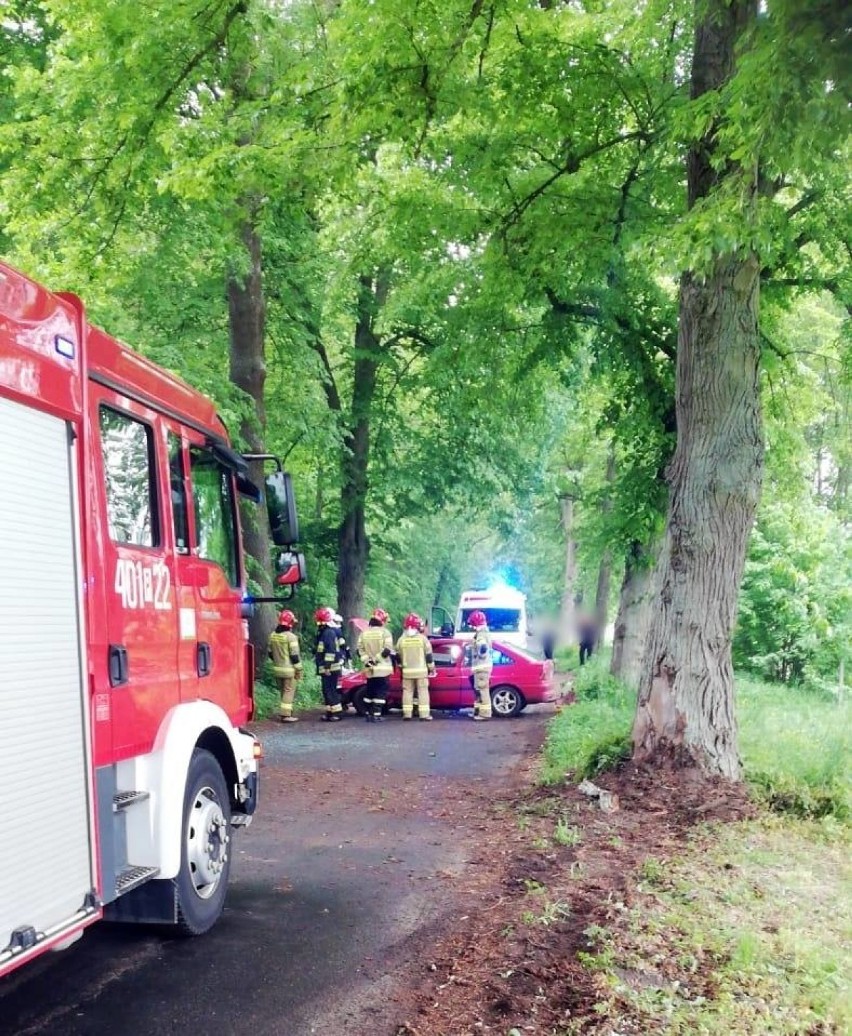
<point>500,620</point>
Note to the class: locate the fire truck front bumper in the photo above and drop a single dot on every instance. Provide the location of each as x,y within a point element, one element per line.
<point>247,793</point>
<point>247,790</point>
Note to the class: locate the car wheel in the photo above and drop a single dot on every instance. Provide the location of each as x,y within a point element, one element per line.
<point>205,861</point>
<point>357,700</point>
<point>506,701</point>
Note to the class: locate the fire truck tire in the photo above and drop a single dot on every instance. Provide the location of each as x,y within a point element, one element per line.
<point>205,863</point>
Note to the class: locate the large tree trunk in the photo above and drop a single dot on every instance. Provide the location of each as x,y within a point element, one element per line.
<point>605,567</point>
<point>635,606</point>
<point>602,595</point>
<point>686,695</point>
<point>247,320</point>
<point>566,630</point>
<point>354,547</point>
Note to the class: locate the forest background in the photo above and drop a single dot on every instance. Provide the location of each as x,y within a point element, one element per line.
<point>430,254</point>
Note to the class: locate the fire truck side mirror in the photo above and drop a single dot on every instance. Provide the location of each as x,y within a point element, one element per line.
<point>281,508</point>
<point>290,568</point>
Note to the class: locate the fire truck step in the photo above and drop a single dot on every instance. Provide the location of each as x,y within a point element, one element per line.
<point>122,799</point>
<point>133,876</point>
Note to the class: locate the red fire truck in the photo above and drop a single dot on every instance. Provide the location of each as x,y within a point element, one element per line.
<point>126,673</point>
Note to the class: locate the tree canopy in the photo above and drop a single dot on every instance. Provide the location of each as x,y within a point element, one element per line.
<point>464,262</point>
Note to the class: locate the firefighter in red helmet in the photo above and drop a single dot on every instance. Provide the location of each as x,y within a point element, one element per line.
<point>286,658</point>
<point>375,649</point>
<point>415,657</point>
<point>329,662</point>
<point>481,663</point>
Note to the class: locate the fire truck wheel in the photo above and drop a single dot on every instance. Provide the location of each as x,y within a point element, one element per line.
<point>206,850</point>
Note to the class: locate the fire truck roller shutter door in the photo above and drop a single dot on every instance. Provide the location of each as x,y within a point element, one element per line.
<point>163,773</point>
<point>46,852</point>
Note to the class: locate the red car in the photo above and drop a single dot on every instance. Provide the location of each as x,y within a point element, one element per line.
<point>517,680</point>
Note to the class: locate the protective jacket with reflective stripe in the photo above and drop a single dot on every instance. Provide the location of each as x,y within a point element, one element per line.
<point>480,652</point>
<point>328,654</point>
<point>373,642</point>
<point>284,651</point>
<point>415,655</point>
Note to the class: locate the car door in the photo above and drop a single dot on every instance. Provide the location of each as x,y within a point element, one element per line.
<point>445,688</point>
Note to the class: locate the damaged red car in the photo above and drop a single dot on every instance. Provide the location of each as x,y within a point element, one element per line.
<point>518,679</point>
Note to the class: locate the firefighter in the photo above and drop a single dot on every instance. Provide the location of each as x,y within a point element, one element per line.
<point>481,662</point>
<point>375,649</point>
<point>415,657</point>
<point>329,663</point>
<point>286,662</point>
<point>337,621</point>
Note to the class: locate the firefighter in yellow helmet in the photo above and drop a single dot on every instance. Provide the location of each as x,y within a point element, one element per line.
<point>375,649</point>
<point>415,657</point>
<point>286,662</point>
<point>481,663</point>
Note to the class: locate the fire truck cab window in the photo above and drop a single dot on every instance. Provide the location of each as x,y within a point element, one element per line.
<point>215,513</point>
<point>177,487</point>
<point>130,477</point>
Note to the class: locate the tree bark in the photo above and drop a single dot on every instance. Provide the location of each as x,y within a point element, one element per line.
<point>605,567</point>
<point>247,324</point>
<point>354,547</point>
<point>566,631</point>
<point>635,606</point>
<point>686,697</point>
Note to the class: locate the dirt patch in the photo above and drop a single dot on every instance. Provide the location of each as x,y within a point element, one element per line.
<point>552,872</point>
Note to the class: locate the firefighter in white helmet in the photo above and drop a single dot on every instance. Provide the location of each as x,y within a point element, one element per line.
<point>375,649</point>
<point>481,663</point>
<point>286,662</point>
<point>415,658</point>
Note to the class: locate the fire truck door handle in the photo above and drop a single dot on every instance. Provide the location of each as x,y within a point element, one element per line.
<point>204,658</point>
<point>118,668</point>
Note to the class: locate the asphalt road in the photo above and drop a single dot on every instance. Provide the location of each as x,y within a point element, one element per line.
<point>347,872</point>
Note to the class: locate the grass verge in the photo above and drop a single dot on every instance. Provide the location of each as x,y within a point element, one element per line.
<point>795,744</point>
<point>746,934</point>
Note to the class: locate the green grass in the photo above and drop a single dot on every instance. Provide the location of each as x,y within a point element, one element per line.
<point>796,745</point>
<point>266,697</point>
<point>594,733</point>
<point>746,934</point>
<point>797,749</point>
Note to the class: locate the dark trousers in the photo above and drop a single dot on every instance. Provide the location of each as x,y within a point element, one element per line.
<point>586,649</point>
<point>330,693</point>
<point>376,695</point>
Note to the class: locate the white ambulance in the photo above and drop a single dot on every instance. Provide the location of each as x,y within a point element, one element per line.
<point>505,609</point>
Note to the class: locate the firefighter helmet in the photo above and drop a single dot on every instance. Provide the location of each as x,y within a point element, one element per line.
<point>412,621</point>
<point>286,618</point>
<point>477,620</point>
<point>380,615</point>
<point>323,616</point>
